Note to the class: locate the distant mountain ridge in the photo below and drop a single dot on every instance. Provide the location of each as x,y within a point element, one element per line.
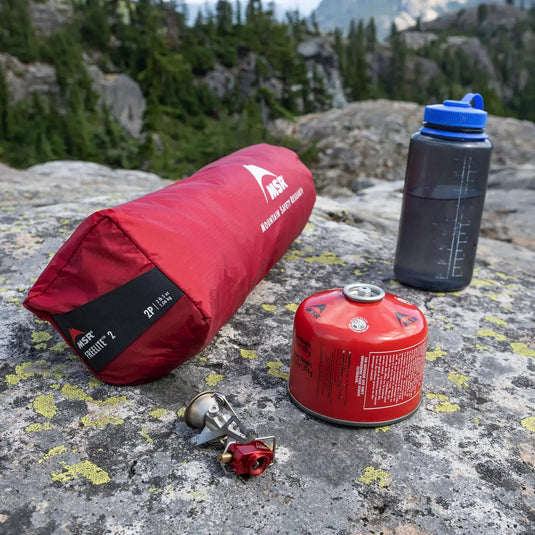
<point>331,14</point>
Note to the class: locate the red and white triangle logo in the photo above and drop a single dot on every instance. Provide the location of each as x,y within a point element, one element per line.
<point>74,333</point>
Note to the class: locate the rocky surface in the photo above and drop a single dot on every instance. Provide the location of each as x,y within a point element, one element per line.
<point>370,140</point>
<point>81,457</point>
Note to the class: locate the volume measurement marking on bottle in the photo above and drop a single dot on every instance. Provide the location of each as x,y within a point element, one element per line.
<point>458,237</point>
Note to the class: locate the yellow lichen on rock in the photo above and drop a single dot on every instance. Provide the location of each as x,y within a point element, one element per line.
<point>529,423</point>
<point>21,373</point>
<point>445,405</point>
<point>75,392</point>
<point>58,450</point>
<point>458,379</point>
<point>101,421</point>
<point>372,474</point>
<point>39,338</point>
<point>274,370</point>
<point>481,283</point>
<point>144,433</point>
<point>495,320</point>
<point>37,428</point>
<point>45,406</point>
<point>440,397</point>
<point>383,428</point>
<point>326,258</point>
<point>86,469</point>
<point>213,379</point>
<point>60,346</point>
<point>489,333</point>
<point>158,414</point>
<point>435,354</point>
<point>94,381</point>
<point>522,349</point>
<point>112,401</point>
<point>294,255</point>
<point>248,354</point>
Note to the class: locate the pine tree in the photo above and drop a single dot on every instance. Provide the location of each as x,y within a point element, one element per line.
<point>356,68</point>
<point>371,35</point>
<point>17,35</point>
<point>315,25</point>
<point>79,142</point>
<point>340,49</point>
<point>253,11</point>
<point>396,88</point>
<point>95,28</point>
<point>4,107</point>
<point>224,17</point>
<point>238,13</point>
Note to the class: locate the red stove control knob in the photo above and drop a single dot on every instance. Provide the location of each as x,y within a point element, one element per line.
<point>246,459</point>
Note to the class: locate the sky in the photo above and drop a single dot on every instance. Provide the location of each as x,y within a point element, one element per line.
<point>304,6</point>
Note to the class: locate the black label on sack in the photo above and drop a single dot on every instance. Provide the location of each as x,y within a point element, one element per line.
<point>103,328</point>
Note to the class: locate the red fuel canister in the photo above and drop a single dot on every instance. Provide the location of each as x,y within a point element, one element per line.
<point>358,356</point>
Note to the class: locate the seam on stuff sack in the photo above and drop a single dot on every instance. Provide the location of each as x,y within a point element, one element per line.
<point>147,257</point>
<point>67,261</point>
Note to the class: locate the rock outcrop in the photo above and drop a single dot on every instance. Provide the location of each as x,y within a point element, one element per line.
<point>26,79</point>
<point>49,16</point>
<point>80,456</point>
<point>118,92</point>
<point>321,58</point>
<point>331,14</point>
<point>490,16</point>
<point>122,96</point>
<point>321,62</point>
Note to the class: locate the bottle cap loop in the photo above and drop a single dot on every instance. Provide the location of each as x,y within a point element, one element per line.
<point>457,118</point>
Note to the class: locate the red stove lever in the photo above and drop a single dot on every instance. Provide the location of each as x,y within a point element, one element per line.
<point>246,459</point>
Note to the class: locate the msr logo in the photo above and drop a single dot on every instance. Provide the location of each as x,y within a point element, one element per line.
<point>275,186</point>
<point>80,338</point>
<point>405,320</point>
<point>315,311</point>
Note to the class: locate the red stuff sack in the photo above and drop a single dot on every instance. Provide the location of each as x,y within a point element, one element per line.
<point>140,288</point>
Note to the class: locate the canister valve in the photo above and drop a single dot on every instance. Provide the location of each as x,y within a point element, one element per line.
<point>243,453</point>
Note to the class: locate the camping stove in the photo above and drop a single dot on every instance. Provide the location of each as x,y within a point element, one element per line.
<point>243,453</point>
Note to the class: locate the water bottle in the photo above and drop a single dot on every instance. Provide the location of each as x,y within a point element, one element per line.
<point>445,185</point>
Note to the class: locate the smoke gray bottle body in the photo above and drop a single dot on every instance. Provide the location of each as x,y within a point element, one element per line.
<point>444,193</point>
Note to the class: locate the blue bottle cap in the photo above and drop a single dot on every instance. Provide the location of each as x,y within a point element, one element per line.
<point>458,113</point>
<point>456,119</point>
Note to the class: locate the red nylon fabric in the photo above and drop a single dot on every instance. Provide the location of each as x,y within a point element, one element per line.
<point>215,235</point>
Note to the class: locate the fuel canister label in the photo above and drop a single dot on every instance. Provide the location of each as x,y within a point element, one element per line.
<point>391,378</point>
<point>334,369</point>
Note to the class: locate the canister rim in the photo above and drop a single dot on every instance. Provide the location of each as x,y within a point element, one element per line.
<point>363,293</point>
